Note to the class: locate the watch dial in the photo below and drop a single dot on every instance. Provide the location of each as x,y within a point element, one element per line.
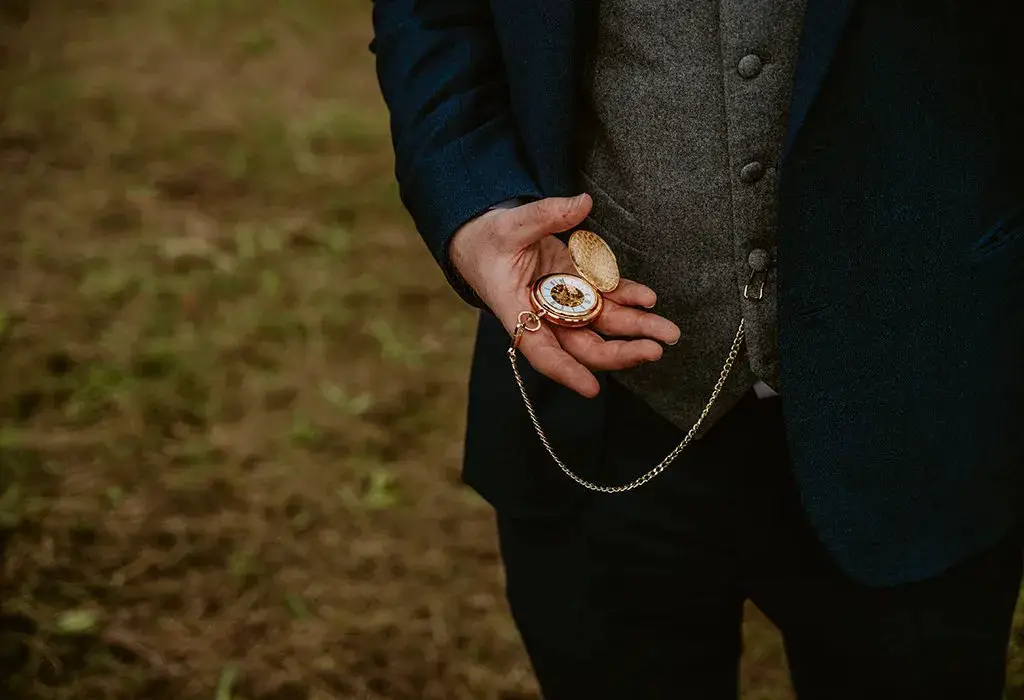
<point>568,294</point>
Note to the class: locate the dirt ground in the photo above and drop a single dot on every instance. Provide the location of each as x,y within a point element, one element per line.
<point>231,379</point>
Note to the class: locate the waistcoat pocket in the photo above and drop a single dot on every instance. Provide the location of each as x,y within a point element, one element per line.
<point>617,226</point>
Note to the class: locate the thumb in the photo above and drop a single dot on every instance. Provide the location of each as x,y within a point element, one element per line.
<point>532,222</point>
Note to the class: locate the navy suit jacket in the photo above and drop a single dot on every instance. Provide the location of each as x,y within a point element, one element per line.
<point>900,265</point>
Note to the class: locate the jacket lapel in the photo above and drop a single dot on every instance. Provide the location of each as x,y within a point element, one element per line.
<point>824,21</point>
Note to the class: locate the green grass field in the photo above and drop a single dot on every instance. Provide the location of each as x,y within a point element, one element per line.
<point>231,379</point>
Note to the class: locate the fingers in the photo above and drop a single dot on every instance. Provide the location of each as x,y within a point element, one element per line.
<point>630,293</point>
<point>569,355</point>
<point>533,221</point>
<point>543,350</point>
<point>601,355</point>
<point>548,357</point>
<point>623,321</point>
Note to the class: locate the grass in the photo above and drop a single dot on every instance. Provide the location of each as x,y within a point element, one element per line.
<point>231,380</point>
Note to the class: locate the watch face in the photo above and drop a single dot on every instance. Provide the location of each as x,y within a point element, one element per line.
<point>567,295</point>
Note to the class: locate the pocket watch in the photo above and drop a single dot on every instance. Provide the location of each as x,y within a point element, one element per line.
<point>574,300</point>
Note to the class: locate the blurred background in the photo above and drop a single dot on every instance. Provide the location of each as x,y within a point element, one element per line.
<point>232,381</point>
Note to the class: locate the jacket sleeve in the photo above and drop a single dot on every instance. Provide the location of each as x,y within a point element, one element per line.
<point>457,151</point>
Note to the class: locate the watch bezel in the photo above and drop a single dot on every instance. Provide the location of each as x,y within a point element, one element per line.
<point>559,317</point>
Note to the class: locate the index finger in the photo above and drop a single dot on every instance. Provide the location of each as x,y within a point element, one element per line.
<point>630,293</point>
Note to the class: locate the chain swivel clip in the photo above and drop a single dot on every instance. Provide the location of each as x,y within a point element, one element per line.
<point>529,321</point>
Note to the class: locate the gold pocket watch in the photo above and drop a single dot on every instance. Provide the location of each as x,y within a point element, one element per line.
<point>571,300</point>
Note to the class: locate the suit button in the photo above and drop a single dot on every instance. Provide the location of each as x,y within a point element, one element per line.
<point>752,172</point>
<point>749,66</point>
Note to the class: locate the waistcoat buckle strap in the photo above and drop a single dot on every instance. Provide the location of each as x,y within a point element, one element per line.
<point>760,286</point>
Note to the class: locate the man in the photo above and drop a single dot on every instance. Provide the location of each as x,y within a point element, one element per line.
<point>845,176</point>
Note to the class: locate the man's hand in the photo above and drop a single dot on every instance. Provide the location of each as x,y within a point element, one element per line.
<point>502,252</point>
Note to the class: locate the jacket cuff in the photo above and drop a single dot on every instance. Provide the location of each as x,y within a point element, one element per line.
<point>441,207</point>
<point>460,285</point>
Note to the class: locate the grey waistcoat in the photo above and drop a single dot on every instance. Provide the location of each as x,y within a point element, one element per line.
<point>685,117</point>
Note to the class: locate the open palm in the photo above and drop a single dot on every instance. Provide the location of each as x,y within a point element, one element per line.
<point>501,253</point>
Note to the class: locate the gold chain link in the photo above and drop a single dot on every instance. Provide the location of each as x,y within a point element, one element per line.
<point>532,323</point>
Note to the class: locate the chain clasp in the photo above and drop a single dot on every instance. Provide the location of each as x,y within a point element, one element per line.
<point>529,321</point>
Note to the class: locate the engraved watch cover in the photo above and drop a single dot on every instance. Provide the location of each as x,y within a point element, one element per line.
<point>594,260</point>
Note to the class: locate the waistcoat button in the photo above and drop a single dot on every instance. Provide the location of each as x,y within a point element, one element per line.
<point>758,259</point>
<point>749,66</point>
<point>752,172</point>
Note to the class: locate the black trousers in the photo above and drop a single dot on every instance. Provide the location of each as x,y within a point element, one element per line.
<point>640,595</point>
